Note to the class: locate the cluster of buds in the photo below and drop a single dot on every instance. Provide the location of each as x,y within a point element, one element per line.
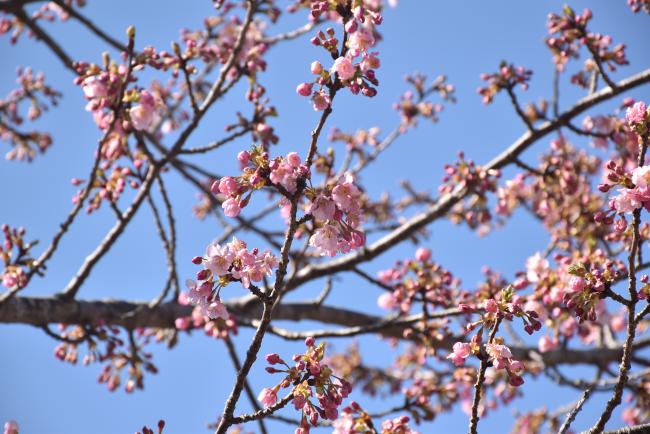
<point>413,105</point>
<point>568,32</point>
<point>15,254</point>
<point>337,213</point>
<point>638,5</point>
<point>232,262</point>
<point>507,78</point>
<point>505,305</point>
<point>160,426</point>
<point>114,353</point>
<point>466,174</point>
<point>284,173</point>
<point>309,378</point>
<point>587,286</point>
<point>354,64</point>
<point>34,91</point>
<point>109,186</point>
<point>417,280</point>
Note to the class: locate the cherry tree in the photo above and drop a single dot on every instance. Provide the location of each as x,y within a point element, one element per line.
<point>288,222</point>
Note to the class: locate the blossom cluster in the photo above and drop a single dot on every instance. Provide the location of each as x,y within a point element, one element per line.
<point>105,345</point>
<point>414,104</point>
<point>335,209</point>
<point>16,256</point>
<point>259,171</point>
<point>587,285</point>
<point>232,262</point>
<point>498,354</point>
<point>216,328</point>
<point>634,191</point>
<point>338,214</point>
<point>568,32</point>
<point>638,5</point>
<point>355,64</point>
<point>39,95</point>
<point>311,380</point>
<point>507,78</point>
<point>419,280</point>
<point>480,181</point>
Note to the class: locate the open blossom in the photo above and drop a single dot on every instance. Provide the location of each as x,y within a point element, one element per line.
<point>641,176</point>
<point>215,310</point>
<point>320,100</point>
<point>535,266</point>
<point>322,208</point>
<point>344,68</point>
<point>231,207</point>
<point>94,87</point>
<point>361,41</point>
<point>267,397</point>
<point>387,301</point>
<point>499,354</point>
<point>143,114</point>
<point>325,240</point>
<point>461,351</point>
<point>637,113</point>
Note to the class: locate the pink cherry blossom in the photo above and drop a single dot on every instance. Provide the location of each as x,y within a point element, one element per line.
<point>344,68</point>
<point>423,254</point>
<point>143,114</point>
<point>625,202</point>
<point>387,301</point>
<point>637,113</point>
<point>228,185</point>
<point>499,354</point>
<point>641,176</point>
<point>322,208</point>
<point>215,310</point>
<point>325,240</point>
<point>304,89</point>
<point>577,283</point>
<point>94,87</point>
<point>461,351</point>
<point>536,265</point>
<point>231,207</point>
<point>320,100</point>
<point>316,68</point>
<point>267,397</point>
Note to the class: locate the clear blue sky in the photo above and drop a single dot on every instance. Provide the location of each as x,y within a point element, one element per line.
<point>459,39</point>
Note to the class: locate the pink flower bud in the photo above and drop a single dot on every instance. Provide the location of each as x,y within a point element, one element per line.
<point>316,68</point>
<point>304,89</point>
<point>422,254</point>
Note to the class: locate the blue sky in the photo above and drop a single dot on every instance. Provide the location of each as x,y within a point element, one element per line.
<point>459,39</point>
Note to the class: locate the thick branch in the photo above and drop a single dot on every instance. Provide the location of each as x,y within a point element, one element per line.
<point>38,311</point>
